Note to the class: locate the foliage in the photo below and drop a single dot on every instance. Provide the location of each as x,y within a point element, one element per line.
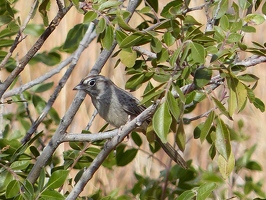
<point>179,60</point>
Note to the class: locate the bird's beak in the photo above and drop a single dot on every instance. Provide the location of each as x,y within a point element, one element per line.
<point>80,87</point>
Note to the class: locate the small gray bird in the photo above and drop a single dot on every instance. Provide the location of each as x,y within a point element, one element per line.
<point>116,105</point>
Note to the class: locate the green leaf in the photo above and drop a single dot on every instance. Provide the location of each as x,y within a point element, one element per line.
<point>128,57</point>
<point>173,106</point>
<point>123,24</point>
<point>57,179</point>
<point>263,9</point>
<point>207,126</point>
<point>232,100</point>
<point>135,81</point>
<point>12,189</point>
<point>161,121</point>
<point>198,53</point>
<point>180,137</point>
<point>125,157</point>
<point>54,115</point>
<point>222,139</point>
<point>120,36</point>
<point>205,190</point>
<point>223,8</point>
<point>259,104</point>
<point>108,38</point>
<point>48,58</point>
<point>42,87</point>
<point>153,4</point>
<point>89,17</point>
<point>224,22</point>
<point>5,19</point>
<point>136,138</point>
<point>169,40</point>
<point>51,194</point>
<point>254,19</point>
<point>187,195</point>
<point>43,8</point>
<point>41,180</point>
<point>248,78</point>
<point>74,37</point>
<point>100,27</point>
<point>156,45</point>
<point>109,4</point>
<point>202,77</point>
<point>252,165</point>
<point>131,40</point>
<point>226,166</point>
<point>234,37</point>
<point>20,165</point>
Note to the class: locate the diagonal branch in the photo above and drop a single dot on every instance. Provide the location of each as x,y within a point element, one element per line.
<point>82,46</point>
<point>109,146</point>
<point>67,119</point>
<point>38,44</point>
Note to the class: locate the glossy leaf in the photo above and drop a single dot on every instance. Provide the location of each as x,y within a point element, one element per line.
<point>12,189</point>
<point>120,36</point>
<point>207,126</point>
<point>136,138</point>
<point>125,157</point>
<point>51,194</point>
<point>153,4</point>
<point>259,104</point>
<point>20,165</point>
<point>205,190</point>
<point>187,195</point>
<point>131,40</point>
<point>57,179</point>
<point>89,17</point>
<point>202,77</point>
<point>173,106</point>
<point>161,121</point>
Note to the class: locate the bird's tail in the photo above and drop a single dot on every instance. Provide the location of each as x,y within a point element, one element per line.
<point>172,153</point>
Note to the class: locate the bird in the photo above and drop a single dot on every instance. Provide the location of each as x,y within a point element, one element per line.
<point>116,106</point>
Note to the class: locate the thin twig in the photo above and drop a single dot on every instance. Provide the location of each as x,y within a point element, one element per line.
<point>18,38</point>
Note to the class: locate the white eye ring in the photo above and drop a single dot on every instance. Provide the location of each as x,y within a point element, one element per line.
<point>90,82</point>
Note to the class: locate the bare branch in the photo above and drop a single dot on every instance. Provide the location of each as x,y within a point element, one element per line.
<point>38,44</point>
<point>67,119</point>
<point>252,61</point>
<point>109,146</point>
<point>82,46</point>
<point>40,79</point>
<point>81,137</point>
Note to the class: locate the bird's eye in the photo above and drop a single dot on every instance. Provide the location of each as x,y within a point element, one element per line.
<point>91,82</point>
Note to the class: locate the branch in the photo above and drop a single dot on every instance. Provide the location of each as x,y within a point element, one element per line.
<point>67,119</point>
<point>82,46</point>
<point>82,137</point>
<point>38,44</point>
<point>109,146</point>
<point>40,79</point>
<point>17,39</point>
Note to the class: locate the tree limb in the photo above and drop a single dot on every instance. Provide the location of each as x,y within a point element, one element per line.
<point>38,44</point>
